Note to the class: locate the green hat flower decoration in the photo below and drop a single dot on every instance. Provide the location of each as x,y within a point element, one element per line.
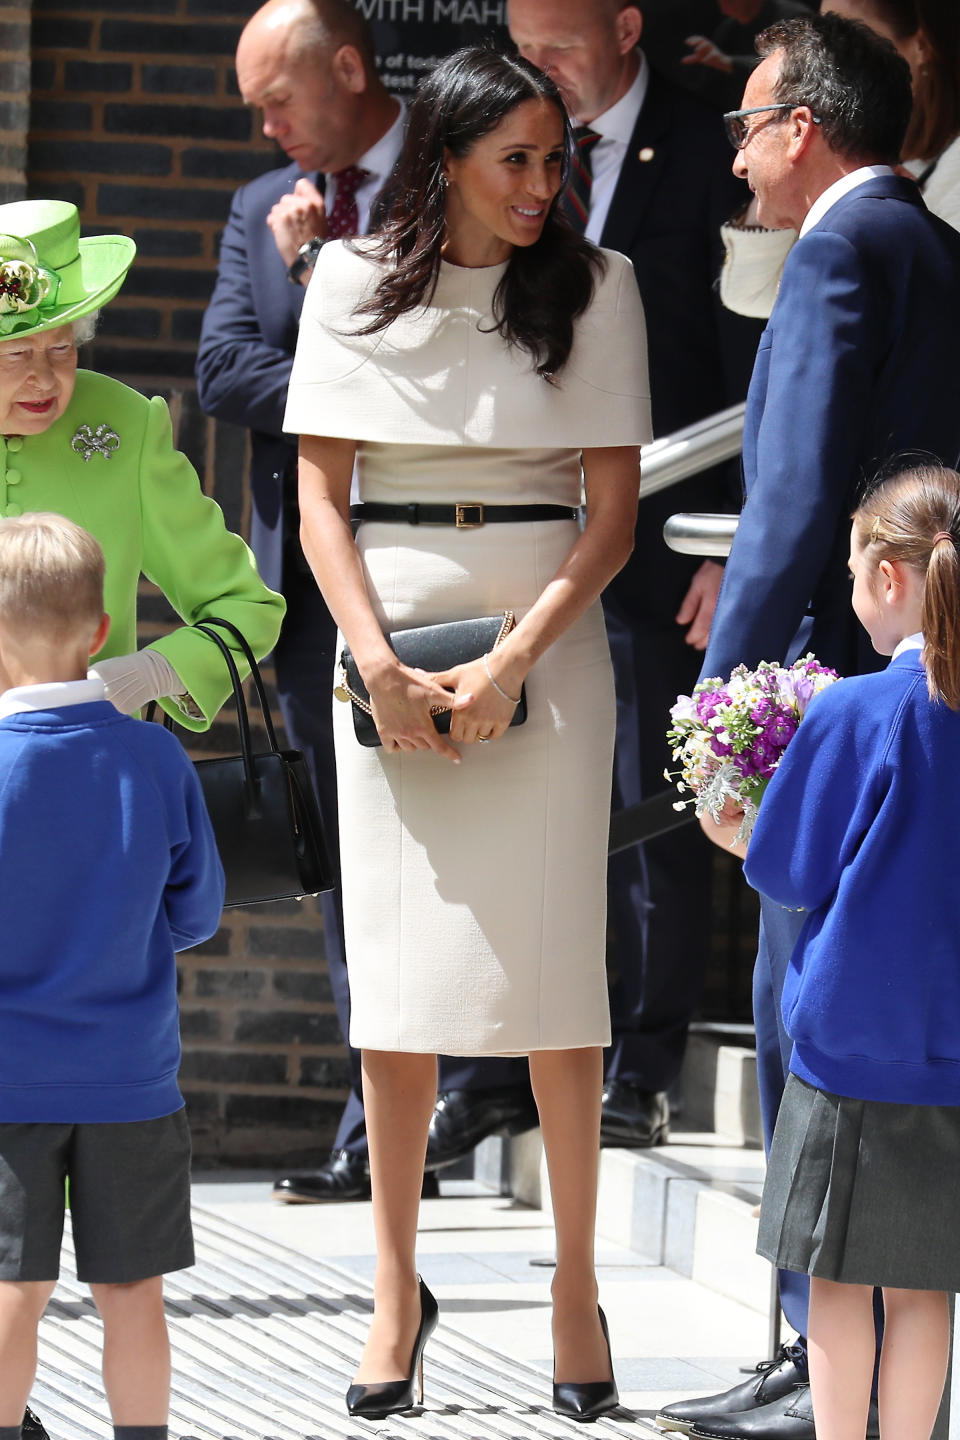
<point>25,285</point>
<point>49,274</point>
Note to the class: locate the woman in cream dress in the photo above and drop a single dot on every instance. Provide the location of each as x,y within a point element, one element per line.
<point>476,352</point>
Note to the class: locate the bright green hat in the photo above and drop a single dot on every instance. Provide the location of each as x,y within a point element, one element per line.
<point>48,275</point>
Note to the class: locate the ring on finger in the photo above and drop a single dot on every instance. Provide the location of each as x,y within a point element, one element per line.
<point>484,739</point>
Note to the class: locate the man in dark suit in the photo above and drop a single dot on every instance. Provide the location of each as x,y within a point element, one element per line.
<point>858,364</point>
<point>659,188</point>
<point>309,66</point>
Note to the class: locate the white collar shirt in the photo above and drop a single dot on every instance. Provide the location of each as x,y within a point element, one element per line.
<point>378,161</point>
<point>837,190</point>
<point>615,127</point>
<point>909,642</point>
<point>21,699</point>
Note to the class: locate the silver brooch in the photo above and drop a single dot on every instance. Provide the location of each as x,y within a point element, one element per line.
<point>102,441</point>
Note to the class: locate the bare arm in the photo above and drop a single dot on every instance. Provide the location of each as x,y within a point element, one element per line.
<point>612,481</point>
<point>400,698</point>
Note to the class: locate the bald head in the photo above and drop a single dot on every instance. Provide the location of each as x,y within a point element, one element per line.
<point>309,66</point>
<point>588,48</point>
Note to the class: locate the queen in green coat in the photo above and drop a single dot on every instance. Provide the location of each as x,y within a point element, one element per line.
<point>100,453</point>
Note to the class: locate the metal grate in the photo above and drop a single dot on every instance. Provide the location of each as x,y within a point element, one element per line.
<point>264,1341</point>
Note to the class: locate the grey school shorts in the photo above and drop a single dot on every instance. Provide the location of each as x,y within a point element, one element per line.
<point>129,1199</point>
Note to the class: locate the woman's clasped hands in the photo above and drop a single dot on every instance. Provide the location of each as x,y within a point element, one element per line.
<point>403,701</point>
<point>482,712</point>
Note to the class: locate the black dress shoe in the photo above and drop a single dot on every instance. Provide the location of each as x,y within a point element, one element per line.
<point>343,1177</point>
<point>790,1418</point>
<point>587,1400</point>
<point>632,1118</point>
<point>32,1427</point>
<point>388,1397</point>
<point>462,1118</point>
<point>771,1381</point>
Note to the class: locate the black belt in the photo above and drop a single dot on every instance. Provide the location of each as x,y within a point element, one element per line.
<point>465,516</point>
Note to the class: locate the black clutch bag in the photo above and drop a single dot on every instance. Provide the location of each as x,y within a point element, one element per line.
<point>262,806</point>
<point>428,647</point>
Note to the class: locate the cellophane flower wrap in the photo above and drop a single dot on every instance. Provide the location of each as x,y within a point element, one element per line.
<point>729,735</point>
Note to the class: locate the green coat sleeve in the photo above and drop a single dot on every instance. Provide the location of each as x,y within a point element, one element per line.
<point>202,568</point>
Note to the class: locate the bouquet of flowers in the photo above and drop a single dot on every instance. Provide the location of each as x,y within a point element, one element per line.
<point>729,736</point>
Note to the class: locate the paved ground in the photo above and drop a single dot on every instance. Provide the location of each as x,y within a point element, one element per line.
<point>269,1324</point>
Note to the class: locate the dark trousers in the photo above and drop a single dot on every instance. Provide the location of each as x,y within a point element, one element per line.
<point>779,933</point>
<point>658,893</point>
<point>304,661</point>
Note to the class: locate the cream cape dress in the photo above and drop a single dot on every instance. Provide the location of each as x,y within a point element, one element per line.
<point>474,896</point>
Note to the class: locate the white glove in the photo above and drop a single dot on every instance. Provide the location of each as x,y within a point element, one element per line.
<point>132,681</point>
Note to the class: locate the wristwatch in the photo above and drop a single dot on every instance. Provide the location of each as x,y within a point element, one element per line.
<point>306,259</point>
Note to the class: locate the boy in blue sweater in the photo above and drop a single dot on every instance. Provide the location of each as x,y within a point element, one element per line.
<point>858,828</point>
<point>108,866</point>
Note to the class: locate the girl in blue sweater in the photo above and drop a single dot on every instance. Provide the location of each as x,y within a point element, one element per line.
<point>859,829</point>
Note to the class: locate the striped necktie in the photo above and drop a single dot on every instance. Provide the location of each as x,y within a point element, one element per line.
<point>575,200</point>
<point>343,218</point>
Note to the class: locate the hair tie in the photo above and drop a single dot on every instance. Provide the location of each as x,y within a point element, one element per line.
<point>941,535</point>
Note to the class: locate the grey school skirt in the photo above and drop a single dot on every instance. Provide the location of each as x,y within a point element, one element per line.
<point>863,1192</point>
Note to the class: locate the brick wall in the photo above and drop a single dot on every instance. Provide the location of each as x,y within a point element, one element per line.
<point>146,142</point>
<point>14,98</point>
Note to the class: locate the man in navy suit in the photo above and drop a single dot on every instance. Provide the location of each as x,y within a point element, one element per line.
<point>660,189</point>
<point>309,66</point>
<point>858,364</point>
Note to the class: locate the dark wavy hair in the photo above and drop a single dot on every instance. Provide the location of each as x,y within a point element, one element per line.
<point>852,79</point>
<point>545,286</point>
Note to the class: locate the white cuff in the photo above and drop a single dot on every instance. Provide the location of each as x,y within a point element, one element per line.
<point>752,267</point>
<point>132,681</point>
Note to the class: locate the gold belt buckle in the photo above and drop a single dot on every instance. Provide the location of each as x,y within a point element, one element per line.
<point>469,515</point>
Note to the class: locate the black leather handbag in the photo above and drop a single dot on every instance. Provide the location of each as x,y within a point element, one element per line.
<point>262,806</point>
<point>428,647</point>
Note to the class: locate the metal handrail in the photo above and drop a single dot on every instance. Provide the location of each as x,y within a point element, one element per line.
<point>686,452</point>
<point>710,535</point>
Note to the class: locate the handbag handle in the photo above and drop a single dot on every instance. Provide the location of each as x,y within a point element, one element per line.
<point>255,675</point>
<point>250,783</point>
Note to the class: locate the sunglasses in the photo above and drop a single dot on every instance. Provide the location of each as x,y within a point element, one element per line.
<point>738,132</point>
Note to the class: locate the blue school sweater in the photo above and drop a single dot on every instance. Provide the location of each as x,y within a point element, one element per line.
<point>860,826</point>
<point>108,865</point>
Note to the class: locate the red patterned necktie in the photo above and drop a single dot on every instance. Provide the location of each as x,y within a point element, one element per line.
<point>575,200</point>
<point>343,218</point>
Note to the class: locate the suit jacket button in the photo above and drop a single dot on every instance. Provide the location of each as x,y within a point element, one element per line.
<point>646,154</point>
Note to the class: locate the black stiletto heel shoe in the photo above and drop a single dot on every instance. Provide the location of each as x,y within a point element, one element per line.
<point>387,1397</point>
<point>590,1400</point>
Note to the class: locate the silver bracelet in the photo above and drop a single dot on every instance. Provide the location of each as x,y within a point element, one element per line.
<point>499,689</point>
